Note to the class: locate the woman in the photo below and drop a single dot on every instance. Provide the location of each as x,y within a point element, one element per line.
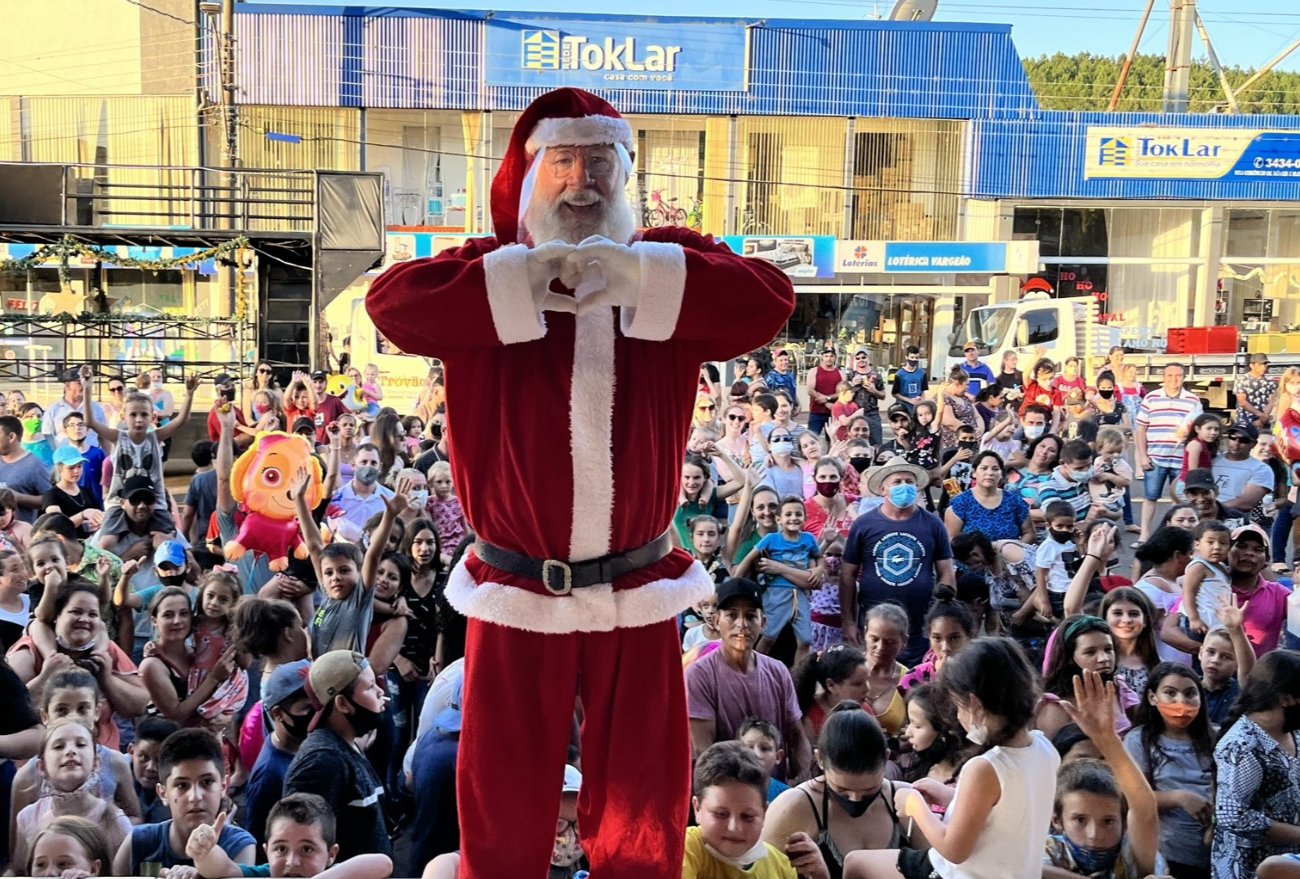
<point>828,516</point>
<point>783,473</point>
<point>116,397</point>
<point>76,627</point>
<point>826,678</point>
<point>1008,569</point>
<point>1114,364</point>
<point>1009,377</point>
<point>270,630</point>
<point>699,496</point>
<point>849,805</point>
<point>387,435</point>
<point>1109,410</point>
<point>755,519</point>
<point>1044,456</point>
<point>166,673</point>
<point>956,409</point>
<point>1167,552</point>
<point>706,412</point>
<point>1257,770</point>
<point>264,378</point>
<point>989,403</point>
<point>345,427</point>
<point>883,639</point>
<point>987,508</point>
<point>421,658</point>
<point>757,365</point>
<point>734,440</point>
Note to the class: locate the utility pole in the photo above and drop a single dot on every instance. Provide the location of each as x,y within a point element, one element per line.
<point>1178,72</point>
<point>231,114</point>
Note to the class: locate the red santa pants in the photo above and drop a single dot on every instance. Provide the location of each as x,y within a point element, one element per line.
<point>518,716</point>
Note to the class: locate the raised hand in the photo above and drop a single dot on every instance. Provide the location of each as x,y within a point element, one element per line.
<point>191,384</point>
<point>203,839</point>
<point>1232,616</point>
<point>301,479</point>
<point>1094,707</point>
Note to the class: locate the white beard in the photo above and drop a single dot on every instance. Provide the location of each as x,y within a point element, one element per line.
<point>614,219</point>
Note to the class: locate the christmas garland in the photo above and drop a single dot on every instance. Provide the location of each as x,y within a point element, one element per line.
<point>68,247</point>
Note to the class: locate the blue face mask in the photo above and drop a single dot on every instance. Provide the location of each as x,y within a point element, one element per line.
<point>1092,861</point>
<point>903,494</point>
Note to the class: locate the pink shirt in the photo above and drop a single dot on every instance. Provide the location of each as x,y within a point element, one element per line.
<point>1264,616</point>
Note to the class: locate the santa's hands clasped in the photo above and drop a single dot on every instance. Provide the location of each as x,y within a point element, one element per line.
<point>602,273</point>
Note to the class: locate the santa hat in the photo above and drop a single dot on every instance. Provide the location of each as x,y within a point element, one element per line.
<point>568,117</point>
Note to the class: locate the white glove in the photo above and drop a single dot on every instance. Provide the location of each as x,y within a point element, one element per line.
<point>619,267</point>
<point>546,262</point>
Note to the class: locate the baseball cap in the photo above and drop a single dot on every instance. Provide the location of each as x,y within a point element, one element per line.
<point>449,719</point>
<point>1250,531</point>
<point>319,375</point>
<point>1202,478</point>
<point>286,681</point>
<point>169,552</point>
<point>1259,357</point>
<point>828,350</point>
<point>67,455</point>
<point>1243,427</point>
<point>970,346</point>
<point>222,379</point>
<point>137,485</point>
<point>71,374</point>
<point>739,587</point>
<point>303,424</point>
<point>862,349</point>
<point>572,780</point>
<point>332,674</point>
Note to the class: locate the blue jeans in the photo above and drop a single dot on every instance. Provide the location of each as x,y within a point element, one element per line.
<point>817,422</point>
<point>1128,505</point>
<point>1282,532</point>
<point>1154,480</point>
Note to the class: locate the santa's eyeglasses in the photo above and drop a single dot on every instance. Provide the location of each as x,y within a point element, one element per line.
<point>596,161</point>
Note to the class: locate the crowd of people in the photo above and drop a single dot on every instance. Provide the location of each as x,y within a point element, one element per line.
<point>921,657</point>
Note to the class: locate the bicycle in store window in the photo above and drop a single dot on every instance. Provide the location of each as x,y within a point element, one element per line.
<point>750,224</point>
<point>663,213</point>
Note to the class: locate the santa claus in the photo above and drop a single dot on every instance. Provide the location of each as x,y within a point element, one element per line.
<point>572,346</point>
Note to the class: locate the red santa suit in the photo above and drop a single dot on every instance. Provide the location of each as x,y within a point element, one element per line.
<point>567,435</point>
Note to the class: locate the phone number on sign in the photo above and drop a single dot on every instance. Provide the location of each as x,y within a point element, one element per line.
<point>1277,164</point>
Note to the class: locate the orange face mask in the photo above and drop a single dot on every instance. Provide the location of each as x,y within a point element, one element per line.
<point>1178,714</point>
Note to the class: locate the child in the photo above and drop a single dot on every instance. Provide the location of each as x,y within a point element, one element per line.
<point>1173,745</point>
<point>15,603</point>
<point>1081,643</point>
<point>1131,617</point>
<point>67,494</point>
<point>1207,579</point>
<point>69,847</point>
<point>414,428</point>
<point>1069,379</point>
<point>764,739</point>
<point>1227,657</point>
<point>76,435</point>
<point>33,440</point>
<point>1202,444</point>
<point>389,623</point>
<point>1112,474</point>
<point>950,627</point>
<point>300,834</point>
<point>729,802</point>
<point>706,540</point>
<point>791,559</point>
<point>13,531</point>
<point>999,814</point>
<point>707,629</point>
<point>1040,390</point>
<point>1131,391</point>
<point>1052,578</point>
<point>192,779</point>
<point>150,733</point>
<point>67,765</point>
<point>998,437</point>
<point>445,510</point>
<point>935,747</point>
<point>218,592</point>
<point>371,391</point>
<point>842,410</point>
<point>138,452</point>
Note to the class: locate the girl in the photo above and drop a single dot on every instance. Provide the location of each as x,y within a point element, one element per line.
<point>1167,554</point>
<point>218,591</point>
<point>300,400</point>
<point>1040,390</point>
<point>387,435</point>
<point>1112,476</point>
<point>371,390</point>
<point>388,625</point>
<point>68,496</point>
<point>68,768</point>
<point>421,657</point>
<point>1202,445</point>
<point>13,531</point>
<point>699,495</point>
<point>69,847</point>
<point>824,680</point>
<point>166,673</point>
<point>755,520</point>
<point>706,534</point>
<point>950,627</point>
<point>883,640</point>
<point>924,451</point>
<point>273,631</point>
<point>1069,379</point>
<point>414,429</point>
<point>1208,579</point>
<point>842,411</point>
<point>33,440</point>
<point>1130,390</point>
<point>1173,745</point>
<point>936,747</point>
<point>15,603</point>
<point>1081,643</point>
<point>1130,615</point>
<point>1257,770</point>
<point>999,814</point>
<point>989,406</point>
<point>811,450</point>
<point>707,629</point>
<point>445,509</point>
<point>828,515</point>
<point>1009,377</point>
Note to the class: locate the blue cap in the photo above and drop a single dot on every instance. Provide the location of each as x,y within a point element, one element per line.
<point>169,552</point>
<point>68,455</point>
<point>448,719</point>
<point>287,680</point>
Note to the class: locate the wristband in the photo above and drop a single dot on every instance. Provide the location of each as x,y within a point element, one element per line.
<point>1092,556</point>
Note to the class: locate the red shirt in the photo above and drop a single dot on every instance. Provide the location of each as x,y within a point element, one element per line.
<point>214,425</point>
<point>328,410</point>
<point>1036,393</point>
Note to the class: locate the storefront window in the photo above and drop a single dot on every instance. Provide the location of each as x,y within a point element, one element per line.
<point>885,323</point>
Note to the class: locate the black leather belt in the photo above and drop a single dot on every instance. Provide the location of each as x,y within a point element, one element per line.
<point>561,578</point>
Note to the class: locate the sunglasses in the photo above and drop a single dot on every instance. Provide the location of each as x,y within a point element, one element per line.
<point>116,389</point>
<point>706,408</point>
<point>859,357</point>
<point>1239,438</point>
<point>734,417</point>
<point>264,372</point>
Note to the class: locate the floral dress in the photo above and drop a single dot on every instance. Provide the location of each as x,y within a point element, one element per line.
<point>964,411</point>
<point>825,602</point>
<point>1256,784</point>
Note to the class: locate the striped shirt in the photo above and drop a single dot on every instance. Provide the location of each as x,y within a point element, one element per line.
<point>1163,416</point>
<point>1062,488</point>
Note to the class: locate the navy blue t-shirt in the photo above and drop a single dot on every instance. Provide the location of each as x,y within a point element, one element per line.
<point>980,377</point>
<point>265,787</point>
<point>149,846</point>
<point>909,383</point>
<point>897,559</point>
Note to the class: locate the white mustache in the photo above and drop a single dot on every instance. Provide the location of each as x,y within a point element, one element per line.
<point>580,198</point>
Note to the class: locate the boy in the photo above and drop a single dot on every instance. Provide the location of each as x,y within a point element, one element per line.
<point>33,440</point>
<point>192,780</point>
<point>764,739</point>
<point>1055,555</point>
<point>77,435</point>
<point>150,733</point>
<point>1069,481</point>
<point>729,802</point>
<point>791,559</point>
<point>201,496</point>
<point>1112,474</point>
<point>300,843</point>
<point>843,410</point>
<point>1226,657</point>
<point>349,704</point>
<point>955,463</point>
<point>287,708</point>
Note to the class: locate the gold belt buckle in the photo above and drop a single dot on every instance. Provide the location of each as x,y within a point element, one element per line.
<point>550,567</point>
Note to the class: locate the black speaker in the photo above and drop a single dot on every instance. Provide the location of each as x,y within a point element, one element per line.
<point>30,194</point>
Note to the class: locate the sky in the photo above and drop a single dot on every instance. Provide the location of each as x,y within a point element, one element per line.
<point>1244,33</point>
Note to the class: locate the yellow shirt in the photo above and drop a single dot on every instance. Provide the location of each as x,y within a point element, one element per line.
<point>699,864</point>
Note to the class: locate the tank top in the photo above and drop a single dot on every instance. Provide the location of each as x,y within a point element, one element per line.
<point>131,459</point>
<point>825,382</point>
<point>831,853</point>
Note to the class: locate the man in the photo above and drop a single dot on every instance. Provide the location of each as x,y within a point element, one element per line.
<point>361,496</point>
<point>1264,615</point>
<point>781,377</point>
<point>1242,478</point>
<point>138,499</point>
<point>868,391</point>
<point>1036,421</point>
<point>1161,416</point>
<point>349,704</point>
<point>225,400</point>
<point>52,423</point>
<point>1256,394</point>
<point>524,320</point>
<point>736,682</point>
<point>20,471</point>
<point>287,706</point>
<point>1069,482</point>
<point>909,381</point>
<point>897,552</point>
<point>328,406</point>
<point>1202,493</point>
<point>980,375</point>
<point>822,382</point>
<point>78,436</point>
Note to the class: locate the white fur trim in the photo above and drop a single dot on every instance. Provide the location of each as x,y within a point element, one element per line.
<point>580,131</point>
<point>591,609</point>
<point>659,302</point>
<point>591,419</point>
<point>510,296</point>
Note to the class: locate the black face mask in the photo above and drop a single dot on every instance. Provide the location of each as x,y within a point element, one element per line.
<point>860,462</point>
<point>853,808</point>
<point>1061,536</point>
<point>968,444</point>
<point>172,579</point>
<point>1291,717</point>
<point>363,720</point>
<point>296,724</point>
<point>1106,393</point>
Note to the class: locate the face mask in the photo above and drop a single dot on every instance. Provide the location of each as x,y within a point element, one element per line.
<point>854,808</point>
<point>902,495</point>
<point>860,462</point>
<point>568,849</point>
<point>1081,475</point>
<point>1092,861</point>
<point>828,489</point>
<point>978,734</point>
<point>363,720</point>
<point>1034,431</point>
<point>1179,715</point>
<point>745,861</point>
<point>1106,393</point>
<point>419,498</point>
<point>32,425</point>
<point>1291,717</point>
<point>1061,536</point>
<point>259,410</point>
<point>782,447</point>
<point>297,724</point>
<point>157,386</point>
<point>171,579</point>
<point>367,475</point>
<point>970,445</point>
